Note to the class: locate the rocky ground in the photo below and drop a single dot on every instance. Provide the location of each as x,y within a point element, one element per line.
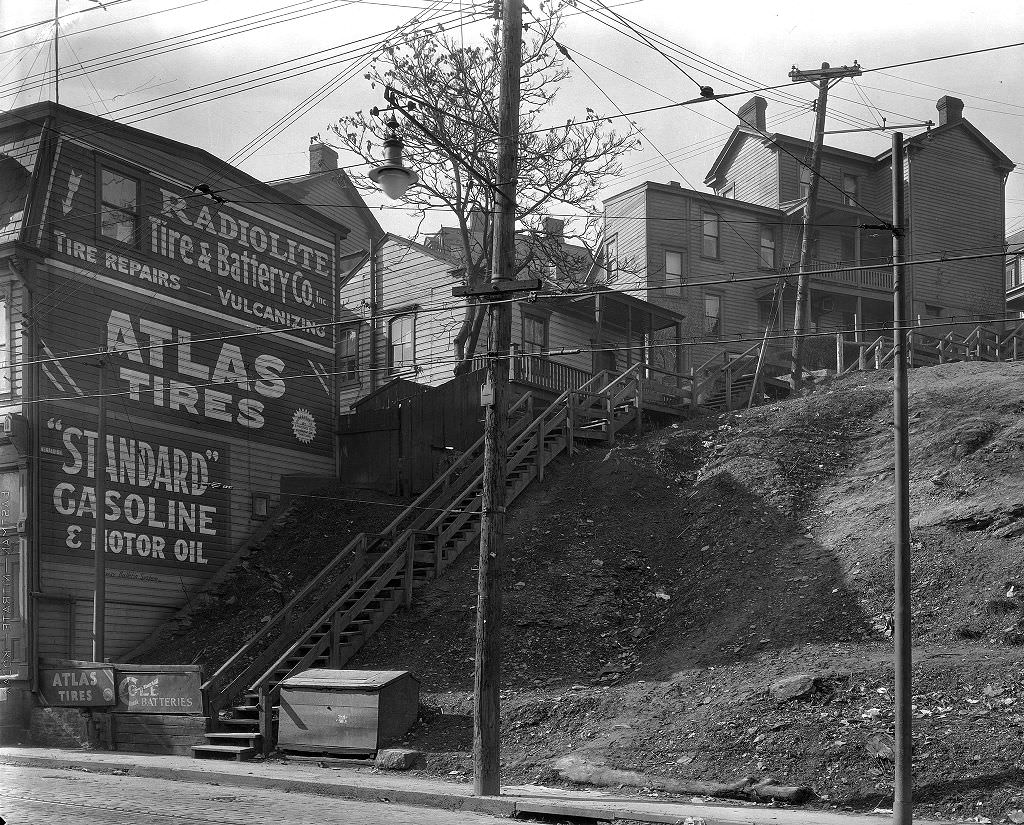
<point>656,593</point>
<point>657,590</point>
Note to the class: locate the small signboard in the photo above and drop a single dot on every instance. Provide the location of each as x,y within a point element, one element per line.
<point>78,687</point>
<point>155,691</point>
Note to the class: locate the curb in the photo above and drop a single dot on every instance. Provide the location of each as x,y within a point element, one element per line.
<point>496,806</point>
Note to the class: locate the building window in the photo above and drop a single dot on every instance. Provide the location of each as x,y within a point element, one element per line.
<point>710,248</point>
<point>611,258</point>
<point>851,190</point>
<point>847,246</point>
<point>767,253</point>
<point>675,276</point>
<point>348,354</point>
<point>6,368</point>
<point>933,310</point>
<point>535,335</point>
<point>805,180</point>
<point>260,506</point>
<point>712,316</point>
<point>401,342</point>
<point>119,207</point>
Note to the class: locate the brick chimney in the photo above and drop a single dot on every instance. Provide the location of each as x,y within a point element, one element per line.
<point>554,228</point>
<point>321,157</point>
<point>752,112</point>
<point>951,110</point>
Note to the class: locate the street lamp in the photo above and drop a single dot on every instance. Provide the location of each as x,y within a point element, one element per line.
<point>392,176</point>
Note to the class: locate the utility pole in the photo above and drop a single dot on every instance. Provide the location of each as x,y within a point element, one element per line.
<point>56,51</point>
<point>824,78</point>
<point>903,805</point>
<point>99,541</point>
<point>487,665</point>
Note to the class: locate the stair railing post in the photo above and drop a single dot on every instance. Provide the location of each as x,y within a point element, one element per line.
<point>334,653</point>
<point>609,407</point>
<point>693,389</point>
<point>266,717</point>
<point>840,362</point>
<point>639,406</point>
<point>570,423</point>
<point>542,431</point>
<point>410,553</point>
<point>728,386</point>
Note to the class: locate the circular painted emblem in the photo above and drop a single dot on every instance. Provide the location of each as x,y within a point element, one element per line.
<point>108,695</point>
<point>304,426</point>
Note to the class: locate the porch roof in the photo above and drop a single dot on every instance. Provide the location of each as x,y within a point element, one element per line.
<point>619,310</point>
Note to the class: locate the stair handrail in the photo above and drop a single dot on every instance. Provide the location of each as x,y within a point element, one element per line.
<point>400,544</point>
<point>417,505</point>
<point>214,687</point>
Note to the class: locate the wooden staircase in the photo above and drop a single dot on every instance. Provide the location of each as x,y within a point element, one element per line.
<point>334,615</point>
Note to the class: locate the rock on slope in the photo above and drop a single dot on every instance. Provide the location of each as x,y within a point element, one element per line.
<point>655,590</point>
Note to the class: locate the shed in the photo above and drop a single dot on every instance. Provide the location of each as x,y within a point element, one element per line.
<point>349,712</point>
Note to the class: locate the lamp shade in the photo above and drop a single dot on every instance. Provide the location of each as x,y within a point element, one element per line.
<point>392,176</point>
<point>394,181</point>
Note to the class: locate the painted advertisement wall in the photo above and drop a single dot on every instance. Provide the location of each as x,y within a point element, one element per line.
<point>211,322</point>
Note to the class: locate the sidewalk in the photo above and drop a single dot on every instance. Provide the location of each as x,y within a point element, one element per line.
<point>374,786</point>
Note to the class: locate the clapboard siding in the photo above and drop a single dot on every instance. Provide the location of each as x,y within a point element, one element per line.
<point>626,221</point>
<point>956,202</point>
<point>753,172</point>
<point>216,318</point>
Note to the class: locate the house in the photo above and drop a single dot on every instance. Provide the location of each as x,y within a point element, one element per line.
<point>1015,274</point>
<point>404,321</point>
<point>153,291</point>
<point>751,225</point>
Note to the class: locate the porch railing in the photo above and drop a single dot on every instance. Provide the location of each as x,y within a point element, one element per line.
<point>847,273</point>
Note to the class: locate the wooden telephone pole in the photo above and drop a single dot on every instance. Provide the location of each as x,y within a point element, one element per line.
<point>487,666</point>
<point>824,77</point>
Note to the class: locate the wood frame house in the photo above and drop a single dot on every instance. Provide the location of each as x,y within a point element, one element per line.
<point>751,225</point>
<point>1015,273</point>
<point>403,320</point>
<point>206,299</point>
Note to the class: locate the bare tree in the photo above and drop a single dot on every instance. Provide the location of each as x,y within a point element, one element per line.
<point>561,169</point>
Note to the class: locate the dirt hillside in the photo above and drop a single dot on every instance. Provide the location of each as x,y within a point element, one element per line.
<point>655,591</point>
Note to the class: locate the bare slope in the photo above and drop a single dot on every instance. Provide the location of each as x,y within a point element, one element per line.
<point>655,591</point>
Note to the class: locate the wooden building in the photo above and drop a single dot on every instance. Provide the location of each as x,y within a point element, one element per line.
<point>190,306</point>
<point>751,226</point>
<point>1015,274</point>
<point>403,321</point>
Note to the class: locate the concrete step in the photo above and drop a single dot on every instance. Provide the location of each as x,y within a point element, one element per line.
<point>236,753</point>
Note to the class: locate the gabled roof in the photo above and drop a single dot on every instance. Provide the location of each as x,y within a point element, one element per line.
<point>301,186</point>
<point>89,128</point>
<point>425,250</point>
<point>1000,158</point>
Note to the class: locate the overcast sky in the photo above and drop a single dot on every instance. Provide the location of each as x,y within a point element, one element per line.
<point>746,38</point>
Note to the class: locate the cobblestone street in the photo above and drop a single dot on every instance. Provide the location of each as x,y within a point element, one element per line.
<point>59,797</point>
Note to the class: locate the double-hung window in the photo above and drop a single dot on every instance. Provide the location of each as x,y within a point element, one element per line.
<point>675,278</point>
<point>710,225</point>
<point>767,252</point>
<point>535,335</point>
<point>805,180</point>
<point>119,206</point>
<point>851,190</point>
<point>401,343</point>
<point>712,316</point>
<point>348,354</point>
<point>611,258</point>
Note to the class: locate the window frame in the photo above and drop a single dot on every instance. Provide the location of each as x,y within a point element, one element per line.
<point>851,199</point>
<point>716,237</point>
<point>102,165</point>
<point>410,363</point>
<point>6,343</point>
<point>710,334</point>
<point>676,288</point>
<point>348,376</point>
<point>611,262</point>
<point>803,188</point>
<point>544,322</point>
<point>770,231</point>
